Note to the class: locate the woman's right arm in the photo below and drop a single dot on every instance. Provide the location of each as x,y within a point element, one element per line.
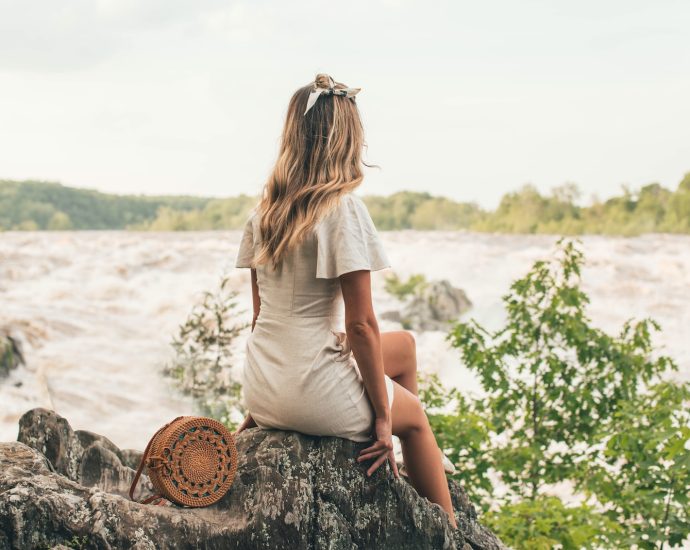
<point>365,341</point>
<point>248,421</point>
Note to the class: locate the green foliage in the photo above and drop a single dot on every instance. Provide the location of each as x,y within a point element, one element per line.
<point>216,214</point>
<point>642,475</point>
<point>402,290</point>
<point>551,378</point>
<point>10,356</point>
<point>202,365</point>
<point>566,403</point>
<point>545,522</point>
<point>440,213</point>
<point>38,205</point>
<point>462,429</point>
<point>395,211</point>
<point>651,209</point>
<point>29,205</point>
<point>527,211</point>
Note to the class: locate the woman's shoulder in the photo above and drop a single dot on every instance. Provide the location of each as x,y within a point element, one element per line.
<point>349,206</point>
<point>354,199</point>
<point>349,217</point>
<point>251,223</point>
<point>253,216</point>
<point>348,240</point>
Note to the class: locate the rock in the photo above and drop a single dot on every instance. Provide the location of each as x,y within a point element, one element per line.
<point>51,434</point>
<point>100,467</point>
<point>291,491</point>
<point>85,437</point>
<point>10,354</point>
<point>82,456</point>
<point>392,315</point>
<point>131,457</point>
<point>433,307</point>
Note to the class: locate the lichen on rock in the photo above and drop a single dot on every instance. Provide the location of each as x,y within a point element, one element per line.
<point>291,491</point>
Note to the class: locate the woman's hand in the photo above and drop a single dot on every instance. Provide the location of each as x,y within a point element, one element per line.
<point>382,449</point>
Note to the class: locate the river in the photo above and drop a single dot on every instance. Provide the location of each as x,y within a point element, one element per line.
<point>96,310</point>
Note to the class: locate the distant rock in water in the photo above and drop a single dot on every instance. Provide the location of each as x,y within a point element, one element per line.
<point>10,354</point>
<point>291,490</point>
<point>433,307</point>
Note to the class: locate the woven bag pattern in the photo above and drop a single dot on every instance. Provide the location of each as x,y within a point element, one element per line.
<point>191,461</point>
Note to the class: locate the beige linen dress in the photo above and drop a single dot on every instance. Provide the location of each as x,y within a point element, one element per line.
<point>300,373</point>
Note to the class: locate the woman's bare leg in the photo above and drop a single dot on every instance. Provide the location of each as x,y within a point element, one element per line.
<point>400,358</point>
<point>420,450</point>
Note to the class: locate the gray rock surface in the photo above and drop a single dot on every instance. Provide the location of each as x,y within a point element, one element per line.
<point>432,308</point>
<point>291,491</point>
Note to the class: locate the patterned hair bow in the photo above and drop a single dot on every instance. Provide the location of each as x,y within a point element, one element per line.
<point>330,90</point>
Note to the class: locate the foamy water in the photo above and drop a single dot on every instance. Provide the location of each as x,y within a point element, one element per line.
<point>96,310</point>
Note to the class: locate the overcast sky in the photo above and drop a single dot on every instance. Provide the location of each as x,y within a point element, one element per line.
<point>463,99</point>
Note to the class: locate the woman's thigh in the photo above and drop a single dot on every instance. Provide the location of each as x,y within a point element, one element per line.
<point>407,412</point>
<point>398,348</point>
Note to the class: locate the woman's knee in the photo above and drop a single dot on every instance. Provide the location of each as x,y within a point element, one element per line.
<point>411,342</point>
<point>399,353</point>
<point>409,417</point>
<point>418,420</point>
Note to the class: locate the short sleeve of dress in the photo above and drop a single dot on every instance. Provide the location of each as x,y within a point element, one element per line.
<point>347,240</point>
<point>245,254</point>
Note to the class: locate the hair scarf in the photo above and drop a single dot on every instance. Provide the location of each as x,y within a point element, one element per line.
<point>330,90</point>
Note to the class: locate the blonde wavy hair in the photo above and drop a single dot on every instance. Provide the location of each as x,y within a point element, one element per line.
<point>320,160</point>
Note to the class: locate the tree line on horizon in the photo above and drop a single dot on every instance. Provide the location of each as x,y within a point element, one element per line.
<point>36,205</point>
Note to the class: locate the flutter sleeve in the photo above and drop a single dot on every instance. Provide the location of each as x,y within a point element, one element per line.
<point>348,241</point>
<point>245,254</point>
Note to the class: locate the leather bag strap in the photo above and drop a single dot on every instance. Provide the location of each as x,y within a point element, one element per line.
<point>144,458</point>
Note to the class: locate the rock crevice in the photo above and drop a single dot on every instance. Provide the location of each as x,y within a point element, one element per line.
<point>58,486</point>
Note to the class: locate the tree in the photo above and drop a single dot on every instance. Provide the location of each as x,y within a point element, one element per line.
<point>462,429</point>
<point>545,522</point>
<point>203,362</point>
<point>59,221</point>
<point>551,377</point>
<point>641,472</point>
<point>565,402</point>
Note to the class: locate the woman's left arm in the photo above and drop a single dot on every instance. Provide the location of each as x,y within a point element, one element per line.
<point>256,301</point>
<point>248,422</point>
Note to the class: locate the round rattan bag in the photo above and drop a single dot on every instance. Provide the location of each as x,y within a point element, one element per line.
<point>190,461</point>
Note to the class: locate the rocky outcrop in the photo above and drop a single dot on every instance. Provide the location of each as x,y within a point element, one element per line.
<point>58,486</point>
<point>432,307</point>
<point>82,456</point>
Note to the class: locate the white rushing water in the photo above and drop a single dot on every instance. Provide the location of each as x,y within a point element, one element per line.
<point>96,310</point>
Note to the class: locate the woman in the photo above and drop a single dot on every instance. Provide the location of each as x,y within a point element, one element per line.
<point>311,245</point>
